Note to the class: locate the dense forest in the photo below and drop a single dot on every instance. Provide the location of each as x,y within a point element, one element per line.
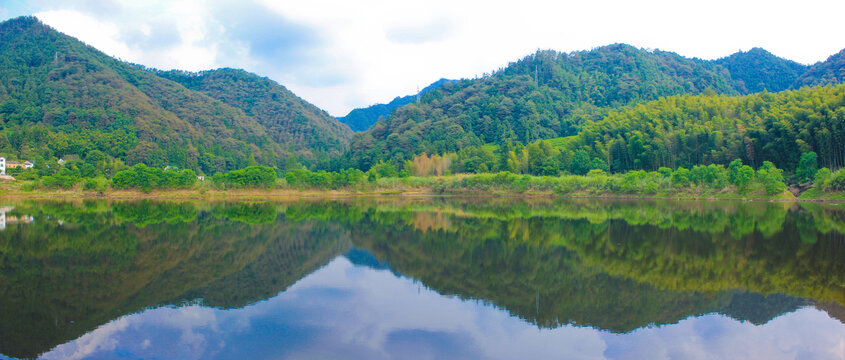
<point>616,108</point>
<point>550,95</point>
<point>61,98</point>
<point>289,120</point>
<point>545,95</point>
<point>756,70</point>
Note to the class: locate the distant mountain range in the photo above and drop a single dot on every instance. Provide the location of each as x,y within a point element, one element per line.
<point>60,97</point>
<point>362,119</point>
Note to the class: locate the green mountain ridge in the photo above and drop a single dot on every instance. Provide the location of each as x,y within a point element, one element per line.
<point>545,95</point>
<point>757,69</point>
<point>361,119</point>
<point>60,97</point>
<point>828,72</point>
<point>288,119</point>
<point>550,94</point>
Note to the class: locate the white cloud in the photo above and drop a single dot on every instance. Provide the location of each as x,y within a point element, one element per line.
<point>344,54</point>
<point>357,312</point>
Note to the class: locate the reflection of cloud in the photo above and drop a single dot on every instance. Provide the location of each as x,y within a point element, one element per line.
<point>806,333</point>
<point>425,344</point>
<point>105,338</point>
<point>356,312</point>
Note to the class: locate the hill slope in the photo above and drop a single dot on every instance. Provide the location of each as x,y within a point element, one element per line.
<point>60,97</point>
<point>828,72</point>
<point>362,119</point>
<point>545,95</point>
<point>289,120</point>
<point>757,70</point>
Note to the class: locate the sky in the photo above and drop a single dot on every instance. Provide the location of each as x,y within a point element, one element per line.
<point>340,55</point>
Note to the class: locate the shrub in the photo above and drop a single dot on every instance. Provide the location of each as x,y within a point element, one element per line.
<point>821,179</point>
<point>248,177</point>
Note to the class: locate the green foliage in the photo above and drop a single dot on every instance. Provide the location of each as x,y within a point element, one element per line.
<point>828,72</point>
<point>509,105</point>
<point>835,181</point>
<point>60,97</point>
<point>98,184</point>
<point>580,163</point>
<point>771,178</point>
<point>147,178</point>
<point>807,166</point>
<point>288,119</point>
<point>248,177</point>
<point>759,70</point>
<point>382,169</point>
<point>65,178</point>
<point>740,175</point>
<point>694,130</point>
<point>822,178</point>
<point>681,178</point>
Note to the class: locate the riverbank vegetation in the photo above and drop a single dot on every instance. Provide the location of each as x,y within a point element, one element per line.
<point>431,175</point>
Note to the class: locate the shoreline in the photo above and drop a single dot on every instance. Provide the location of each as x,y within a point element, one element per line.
<point>258,194</point>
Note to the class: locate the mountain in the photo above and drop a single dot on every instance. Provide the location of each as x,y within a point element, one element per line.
<point>288,119</point>
<point>60,97</point>
<point>757,70</point>
<point>362,119</point>
<point>545,95</point>
<point>828,72</point>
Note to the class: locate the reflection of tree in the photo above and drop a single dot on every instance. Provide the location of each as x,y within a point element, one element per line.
<point>685,260</point>
<point>546,285</point>
<point>616,265</point>
<point>657,256</point>
<point>59,282</point>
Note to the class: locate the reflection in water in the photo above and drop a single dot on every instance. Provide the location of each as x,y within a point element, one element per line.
<point>440,277</point>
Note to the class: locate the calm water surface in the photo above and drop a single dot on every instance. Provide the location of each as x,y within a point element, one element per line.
<point>422,278</point>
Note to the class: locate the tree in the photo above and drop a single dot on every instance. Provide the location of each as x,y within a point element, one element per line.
<point>580,162</point>
<point>681,178</point>
<point>771,177</point>
<point>739,175</point>
<point>807,167</point>
<point>822,177</point>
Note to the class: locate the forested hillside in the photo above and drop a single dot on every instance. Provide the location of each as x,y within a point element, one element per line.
<point>545,95</point>
<point>674,132</point>
<point>60,98</point>
<point>615,108</point>
<point>690,130</point>
<point>830,71</point>
<point>289,120</point>
<point>756,70</point>
<point>552,95</point>
<point>362,119</point>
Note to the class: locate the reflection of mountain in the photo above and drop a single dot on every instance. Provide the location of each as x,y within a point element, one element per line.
<point>546,285</point>
<point>759,309</point>
<point>60,282</point>
<point>297,251</point>
<point>614,265</point>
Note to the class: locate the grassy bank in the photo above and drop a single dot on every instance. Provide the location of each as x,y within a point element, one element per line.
<point>500,184</point>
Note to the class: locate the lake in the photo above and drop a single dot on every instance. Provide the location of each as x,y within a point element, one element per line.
<point>422,278</point>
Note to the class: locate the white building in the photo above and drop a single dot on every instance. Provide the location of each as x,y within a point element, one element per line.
<point>2,166</point>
